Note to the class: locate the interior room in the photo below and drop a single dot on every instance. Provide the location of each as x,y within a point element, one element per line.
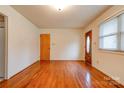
<point>61,46</point>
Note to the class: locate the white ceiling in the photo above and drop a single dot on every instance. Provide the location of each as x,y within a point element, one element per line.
<point>74,16</point>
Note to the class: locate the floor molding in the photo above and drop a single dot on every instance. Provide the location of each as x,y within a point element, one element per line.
<point>109,78</point>
<point>1,79</point>
<point>24,69</point>
<point>67,60</point>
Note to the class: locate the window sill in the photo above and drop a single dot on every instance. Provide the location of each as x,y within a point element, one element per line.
<point>112,51</point>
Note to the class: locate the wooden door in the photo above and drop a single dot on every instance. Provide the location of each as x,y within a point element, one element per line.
<point>45,47</point>
<point>88,47</point>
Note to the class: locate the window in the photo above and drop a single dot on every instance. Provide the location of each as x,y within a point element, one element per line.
<point>112,34</point>
<point>88,44</point>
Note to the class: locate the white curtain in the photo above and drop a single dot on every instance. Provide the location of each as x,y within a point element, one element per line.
<point>108,34</point>
<point>112,34</point>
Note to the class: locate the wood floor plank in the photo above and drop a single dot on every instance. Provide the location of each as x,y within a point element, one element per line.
<point>60,74</point>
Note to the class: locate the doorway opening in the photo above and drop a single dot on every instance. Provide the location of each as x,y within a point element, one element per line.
<point>3,47</point>
<point>88,47</point>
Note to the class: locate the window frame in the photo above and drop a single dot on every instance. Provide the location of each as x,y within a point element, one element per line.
<point>119,33</point>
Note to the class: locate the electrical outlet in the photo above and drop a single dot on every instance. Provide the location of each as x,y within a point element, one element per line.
<point>53,44</point>
<point>97,62</point>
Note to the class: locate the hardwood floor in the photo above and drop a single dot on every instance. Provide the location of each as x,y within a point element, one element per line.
<point>60,75</point>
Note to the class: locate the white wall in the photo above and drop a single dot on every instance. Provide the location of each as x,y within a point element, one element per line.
<point>66,44</point>
<point>23,41</point>
<point>108,62</point>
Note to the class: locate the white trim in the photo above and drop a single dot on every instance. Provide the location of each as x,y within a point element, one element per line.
<point>112,52</point>
<point>6,46</point>
<point>108,35</point>
<point>119,32</point>
<point>111,17</point>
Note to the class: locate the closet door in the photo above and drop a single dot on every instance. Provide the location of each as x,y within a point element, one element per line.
<point>2,51</point>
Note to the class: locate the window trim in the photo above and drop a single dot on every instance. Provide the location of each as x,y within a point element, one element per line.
<point>111,50</point>
<point>111,17</point>
<point>108,35</point>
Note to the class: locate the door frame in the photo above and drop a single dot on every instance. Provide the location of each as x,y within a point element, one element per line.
<point>49,46</point>
<point>6,47</point>
<point>90,45</point>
